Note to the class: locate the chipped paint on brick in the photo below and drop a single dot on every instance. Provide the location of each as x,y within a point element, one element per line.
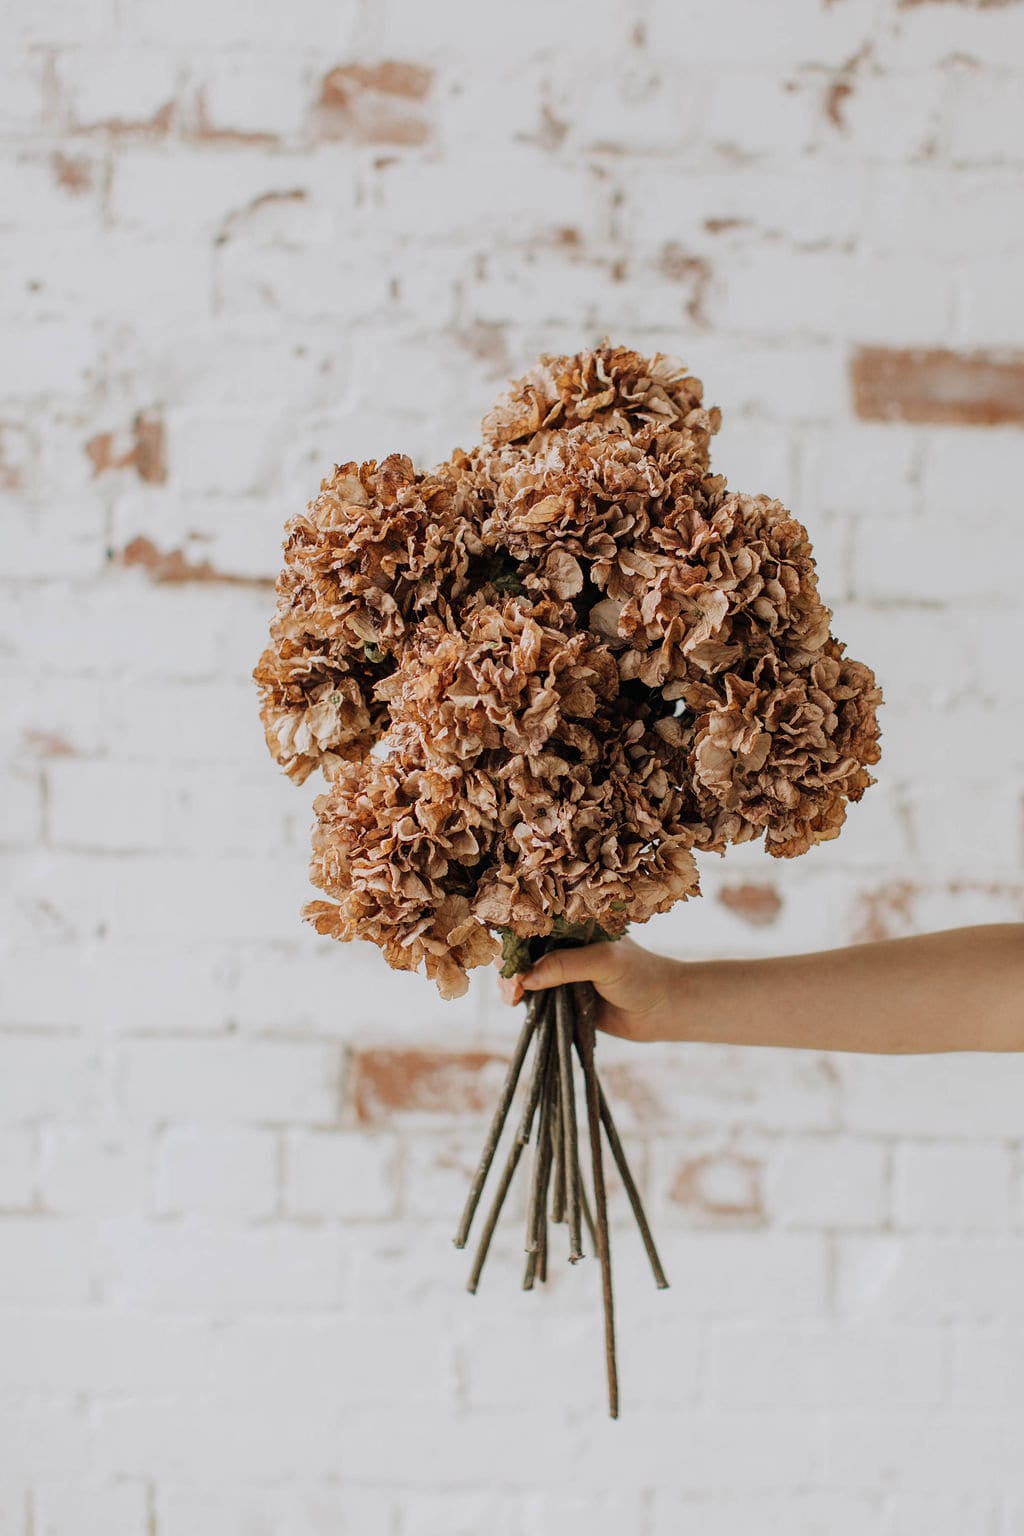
<point>145,452</point>
<point>841,86</point>
<point>156,127</point>
<point>387,1081</point>
<point>885,913</point>
<point>758,904</point>
<point>48,744</point>
<point>391,78</point>
<point>374,104</point>
<point>211,133</point>
<point>980,389</point>
<point>72,172</point>
<point>15,455</point>
<point>174,567</point>
<point>725,1186</point>
<point>681,266</point>
<point>238,218</point>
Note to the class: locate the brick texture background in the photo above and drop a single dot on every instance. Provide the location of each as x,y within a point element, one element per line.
<point>241,242</point>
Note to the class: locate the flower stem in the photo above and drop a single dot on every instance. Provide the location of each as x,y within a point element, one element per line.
<point>585,1047</point>
<point>565,1025</point>
<point>533,1011</point>
<point>536,1212</point>
<point>521,1138</point>
<point>619,1154</point>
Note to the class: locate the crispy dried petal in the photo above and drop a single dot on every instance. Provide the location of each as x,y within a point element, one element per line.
<point>612,388</point>
<point>318,708</point>
<point>785,750</point>
<point>546,674</point>
<point>512,681</point>
<point>396,847</point>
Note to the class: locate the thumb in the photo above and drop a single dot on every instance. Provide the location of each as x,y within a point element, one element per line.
<point>588,962</point>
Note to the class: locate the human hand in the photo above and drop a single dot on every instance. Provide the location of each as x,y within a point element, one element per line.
<point>634,987</point>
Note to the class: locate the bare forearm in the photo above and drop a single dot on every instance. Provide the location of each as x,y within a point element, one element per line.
<point>958,990</point>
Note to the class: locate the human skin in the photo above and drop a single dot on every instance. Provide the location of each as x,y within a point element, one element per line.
<point>961,989</point>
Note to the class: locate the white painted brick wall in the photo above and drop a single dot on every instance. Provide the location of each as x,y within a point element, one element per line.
<point>229,1303</point>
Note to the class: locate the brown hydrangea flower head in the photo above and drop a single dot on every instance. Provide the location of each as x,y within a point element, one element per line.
<point>542,676</point>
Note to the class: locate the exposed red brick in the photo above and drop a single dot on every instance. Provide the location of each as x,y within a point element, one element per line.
<point>719,226</point>
<point>835,96</point>
<point>395,130</point>
<point>74,173</point>
<point>362,102</point>
<point>101,450</point>
<point>174,566</point>
<point>757,904</point>
<point>412,81</point>
<point>916,384</point>
<point>47,744</point>
<point>567,235</point>
<point>239,216</point>
<point>289,195</point>
<point>885,913</point>
<point>336,89</point>
<point>888,912</point>
<point>10,468</point>
<point>145,455</point>
<point>155,127</point>
<point>397,1080</point>
<point>679,266</point>
<point>149,449</point>
<point>842,85</point>
<point>724,1185</point>
<point>211,134</point>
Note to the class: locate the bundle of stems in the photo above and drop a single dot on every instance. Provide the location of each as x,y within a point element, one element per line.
<point>558,1022</point>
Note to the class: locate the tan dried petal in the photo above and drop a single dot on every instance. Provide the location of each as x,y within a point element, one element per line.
<point>545,674</point>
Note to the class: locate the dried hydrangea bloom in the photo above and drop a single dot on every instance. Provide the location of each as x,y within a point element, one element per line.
<point>722,578</point>
<point>395,846</point>
<point>586,501</point>
<point>612,389</point>
<point>318,707</point>
<point>519,678</point>
<point>605,843</point>
<point>379,546</point>
<point>786,750</point>
<point>545,674</point>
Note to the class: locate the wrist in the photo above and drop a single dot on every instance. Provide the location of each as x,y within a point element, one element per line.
<point>701,998</point>
<point>674,1013</point>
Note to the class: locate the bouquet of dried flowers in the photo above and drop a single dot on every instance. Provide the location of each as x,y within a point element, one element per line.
<point>539,678</point>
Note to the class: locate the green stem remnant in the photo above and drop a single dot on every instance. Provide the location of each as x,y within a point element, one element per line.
<point>558,1021</point>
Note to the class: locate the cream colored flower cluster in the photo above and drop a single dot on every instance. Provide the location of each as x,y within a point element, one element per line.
<point>541,675</point>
